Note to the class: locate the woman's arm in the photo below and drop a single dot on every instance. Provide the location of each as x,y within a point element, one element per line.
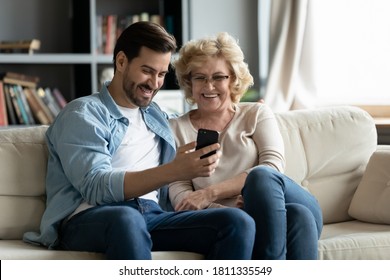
<point>205,198</point>
<point>269,140</point>
<point>178,191</point>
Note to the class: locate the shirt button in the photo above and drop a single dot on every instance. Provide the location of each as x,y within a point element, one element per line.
<point>305,183</point>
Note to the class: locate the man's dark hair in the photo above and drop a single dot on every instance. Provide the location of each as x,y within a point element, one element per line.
<point>144,34</point>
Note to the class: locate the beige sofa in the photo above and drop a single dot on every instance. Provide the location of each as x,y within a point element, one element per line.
<point>332,152</point>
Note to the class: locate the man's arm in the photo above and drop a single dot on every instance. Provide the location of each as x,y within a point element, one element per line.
<point>186,165</point>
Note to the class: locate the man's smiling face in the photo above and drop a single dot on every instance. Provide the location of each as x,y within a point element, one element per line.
<point>144,76</point>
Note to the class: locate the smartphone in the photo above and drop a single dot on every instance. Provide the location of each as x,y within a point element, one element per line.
<point>205,138</point>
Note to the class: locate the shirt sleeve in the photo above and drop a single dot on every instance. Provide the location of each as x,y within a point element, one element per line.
<point>82,142</point>
<point>269,140</point>
<point>179,190</point>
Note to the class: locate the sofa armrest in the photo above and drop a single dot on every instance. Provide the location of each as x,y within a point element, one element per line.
<point>371,201</point>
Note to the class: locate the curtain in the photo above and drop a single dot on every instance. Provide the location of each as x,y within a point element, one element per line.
<point>290,83</point>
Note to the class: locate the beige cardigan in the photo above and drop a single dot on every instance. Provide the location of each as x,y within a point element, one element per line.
<point>252,138</point>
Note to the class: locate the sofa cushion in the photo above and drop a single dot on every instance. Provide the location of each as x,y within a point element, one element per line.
<point>23,159</point>
<point>326,151</point>
<point>18,250</point>
<point>354,240</point>
<point>371,201</point>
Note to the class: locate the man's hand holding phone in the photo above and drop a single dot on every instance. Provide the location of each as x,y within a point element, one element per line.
<point>201,162</point>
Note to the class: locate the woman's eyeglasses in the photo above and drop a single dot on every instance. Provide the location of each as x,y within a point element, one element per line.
<point>202,80</point>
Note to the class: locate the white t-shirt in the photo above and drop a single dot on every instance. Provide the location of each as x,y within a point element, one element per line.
<point>140,149</point>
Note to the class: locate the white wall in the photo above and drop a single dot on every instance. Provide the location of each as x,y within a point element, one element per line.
<point>238,17</point>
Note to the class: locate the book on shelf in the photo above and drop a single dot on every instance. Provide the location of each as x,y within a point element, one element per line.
<point>12,118</point>
<point>19,79</point>
<point>18,111</point>
<point>48,100</point>
<point>156,19</point>
<point>27,115</point>
<point>109,27</point>
<point>110,34</point>
<point>144,16</point>
<point>37,107</point>
<point>124,21</point>
<point>3,107</point>
<point>26,103</point>
<point>48,113</point>
<point>28,46</point>
<point>99,34</point>
<point>52,101</point>
<point>59,98</point>
<point>21,76</point>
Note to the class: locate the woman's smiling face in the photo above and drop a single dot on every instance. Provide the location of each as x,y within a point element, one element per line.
<point>211,85</point>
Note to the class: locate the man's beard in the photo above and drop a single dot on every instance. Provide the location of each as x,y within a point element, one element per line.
<point>130,89</point>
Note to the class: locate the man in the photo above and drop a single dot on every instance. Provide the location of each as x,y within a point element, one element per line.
<point>111,153</point>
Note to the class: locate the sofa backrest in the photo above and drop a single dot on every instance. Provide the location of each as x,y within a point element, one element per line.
<point>23,160</point>
<point>327,150</point>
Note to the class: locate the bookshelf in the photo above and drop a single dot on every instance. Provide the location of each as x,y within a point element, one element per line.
<point>68,57</point>
<point>67,30</point>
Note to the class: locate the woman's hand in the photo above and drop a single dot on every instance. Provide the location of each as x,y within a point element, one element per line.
<point>240,202</point>
<point>195,200</point>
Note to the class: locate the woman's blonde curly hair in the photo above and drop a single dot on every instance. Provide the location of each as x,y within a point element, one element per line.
<point>195,52</point>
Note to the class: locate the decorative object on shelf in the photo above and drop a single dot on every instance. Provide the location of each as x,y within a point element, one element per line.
<point>24,46</point>
<point>106,74</point>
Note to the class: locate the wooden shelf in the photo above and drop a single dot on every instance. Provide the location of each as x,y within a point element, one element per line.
<point>382,122</point>
<point>66,58</point>
<point>45,58</point>
<point>383,130</point>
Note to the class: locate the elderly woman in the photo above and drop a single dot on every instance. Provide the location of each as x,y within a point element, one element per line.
<point>213,75</point>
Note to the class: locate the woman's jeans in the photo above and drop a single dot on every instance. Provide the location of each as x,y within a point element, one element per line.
<point>288,218</point>
<point>132,229</point>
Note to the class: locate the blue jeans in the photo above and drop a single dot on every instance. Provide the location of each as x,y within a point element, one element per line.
<point>132,229</point>
<point>288,218</point>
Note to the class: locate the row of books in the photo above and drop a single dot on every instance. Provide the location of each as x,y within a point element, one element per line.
<point>109,27</point>
<point>22,102</point>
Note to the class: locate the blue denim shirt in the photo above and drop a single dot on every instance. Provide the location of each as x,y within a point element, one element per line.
<point>81,143</point>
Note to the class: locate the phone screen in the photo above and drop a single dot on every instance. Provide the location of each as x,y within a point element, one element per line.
<point>205,138</point>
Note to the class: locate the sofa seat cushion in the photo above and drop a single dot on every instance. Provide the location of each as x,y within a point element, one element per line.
<point>19,250</point>
<point>354,240</point>
<point>371,201</point>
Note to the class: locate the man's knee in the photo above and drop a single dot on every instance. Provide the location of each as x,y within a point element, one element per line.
<point>239,219</point>
<point>126,218</point>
